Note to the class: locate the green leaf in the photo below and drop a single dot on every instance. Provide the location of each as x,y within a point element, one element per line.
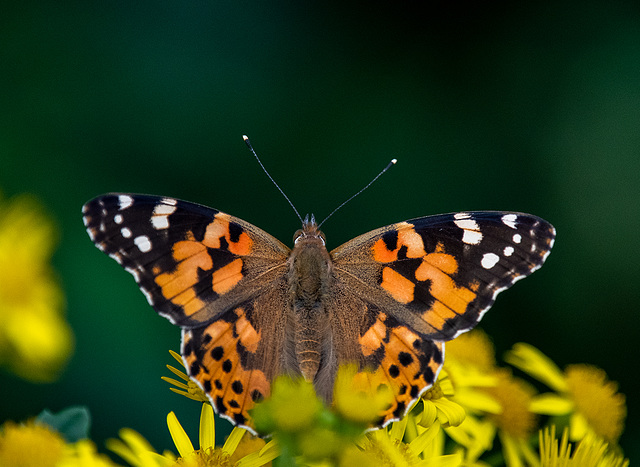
<point>72,423</point>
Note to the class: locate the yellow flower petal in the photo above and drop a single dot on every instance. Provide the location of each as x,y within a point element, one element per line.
<point>423,440</point>
<point>233,440</point>
<point>551,404</point>
<point>207,432</point>
<point>449,413</point>
<point>179,436</point>
<point>477,401</point>
<point>530,360</point>
<point>257,459</point>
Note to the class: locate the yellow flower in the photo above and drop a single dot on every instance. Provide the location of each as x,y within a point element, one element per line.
<point>33,444</point>
<point>358,397</point>
<point>473,349</point>
<point>35,340</point>
<point>515,422</point>
<point>437,405</point>
<point>30,445</point>
<point>189,389</point>
<point>385,447</point>
<point>83,454</point>
<point>583,392</point>
<point>293,406</point>
<point>471,366</point>
<point>209,455</point>
<point>591,452</point>
<point>138,452</point>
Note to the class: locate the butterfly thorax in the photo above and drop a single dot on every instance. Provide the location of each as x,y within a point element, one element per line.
<point>309,280</point>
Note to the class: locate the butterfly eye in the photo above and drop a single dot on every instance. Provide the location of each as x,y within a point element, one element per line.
<point>297,235</point>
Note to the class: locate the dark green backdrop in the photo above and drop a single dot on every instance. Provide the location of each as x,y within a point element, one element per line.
<point>532,107</point>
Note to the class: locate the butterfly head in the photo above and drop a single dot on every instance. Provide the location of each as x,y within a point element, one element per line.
<point>309,231</point>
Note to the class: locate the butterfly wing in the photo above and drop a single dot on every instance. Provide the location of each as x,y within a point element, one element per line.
<point>425,281</point>
<point>216,276</point>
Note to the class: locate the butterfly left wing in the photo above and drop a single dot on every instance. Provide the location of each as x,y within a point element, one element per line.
<point>218,277</point>
<point>192,262</point>
<point>422,282</point>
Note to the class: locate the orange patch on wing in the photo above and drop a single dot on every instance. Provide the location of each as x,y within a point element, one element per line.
<point>382,254</point>
<point>177,286</point>
<point>225,278</point>
<point>446,263</point>
<point>453,300</point>
<point>400,353</point>
<point>247,334</point>
<point>219,229</point>
<point>407,237</point>
<point>398,286</point>
<point>371,340</point>
<point>226,372</point>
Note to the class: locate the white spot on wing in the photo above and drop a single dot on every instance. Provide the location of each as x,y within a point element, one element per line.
<point>126,232</point>
<point>472,237</point>
<point>125,201</point>
<point>160,222</point>
<point>160,219</point>
<point>170,201</point>
<point>489,260</point>
<point>508,250</point>
<point>163,209</point>
<point>143,243</point>
<point>471,234</point>
<point>117,218</point>
<point>510,220</point>
<point>517,238</point>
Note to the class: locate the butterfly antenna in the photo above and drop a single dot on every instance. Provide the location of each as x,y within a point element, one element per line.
<point>246,140</point>
<point>389,165</point>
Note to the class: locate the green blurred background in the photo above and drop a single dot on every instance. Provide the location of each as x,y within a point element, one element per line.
<point>531,107</point>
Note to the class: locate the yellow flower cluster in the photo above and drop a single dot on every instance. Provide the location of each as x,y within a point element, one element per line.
<point>455,423</point>
<point>35,340</point>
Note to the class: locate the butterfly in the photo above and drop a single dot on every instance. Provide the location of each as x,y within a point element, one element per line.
<point>251,308</point>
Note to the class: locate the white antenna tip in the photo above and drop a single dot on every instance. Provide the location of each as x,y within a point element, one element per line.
<point>245,137</point>
<point>393,161</point>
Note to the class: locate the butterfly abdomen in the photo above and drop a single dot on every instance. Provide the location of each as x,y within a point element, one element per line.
<point>309,275</point>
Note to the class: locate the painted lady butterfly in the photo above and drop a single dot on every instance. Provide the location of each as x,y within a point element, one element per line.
<point>250,308</point>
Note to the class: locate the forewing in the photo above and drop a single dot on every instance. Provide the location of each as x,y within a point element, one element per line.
<point>193,263</point>
<point>438,275</point>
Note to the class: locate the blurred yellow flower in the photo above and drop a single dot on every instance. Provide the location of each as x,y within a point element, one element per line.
<point>30,444</point>
<point>34,444</point>
<point>591,452</point>
<point>360,396</point>
<point>583,391</point>
<point>293,406</point>
<point>35,340</point>
<point>83,454</point>
<point>515,423</point>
